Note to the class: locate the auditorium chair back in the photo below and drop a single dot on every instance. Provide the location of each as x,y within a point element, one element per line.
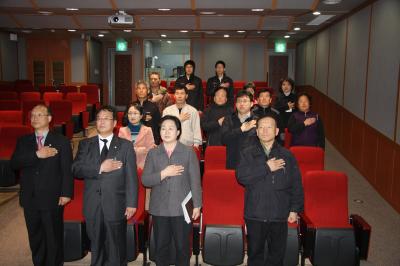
<point>10,105</point>
<point>29,96</point>
<point>52,96</point>
<point>11,118</point>
<point>309,158</point>
<point>9,135</point>
<point>8,95</point>
<point>215,158</point>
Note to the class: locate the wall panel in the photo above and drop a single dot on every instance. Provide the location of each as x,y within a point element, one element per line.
<point>310,60</point>
<point>322,60</point>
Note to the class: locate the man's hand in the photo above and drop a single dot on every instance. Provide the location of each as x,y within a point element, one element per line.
<point>129,212</point>
<point>157,98</point>
<point>196,213</point>
<point>63,200</point>
<point>184,116</point>
<point>221,120</point>
<point>190,86</point>
<point>172,170</point>
<point>246,126</point>
<point>310,121</point>
<point>225,85</point>
<point>275,164</point>
<point>110,165</point>
<point>147,118</point>
<point>292,217</point>
<point>290,105</point>
<point>46,152</point>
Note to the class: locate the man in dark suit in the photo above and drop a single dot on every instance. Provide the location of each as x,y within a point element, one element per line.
<point>44,160</point>
<point>108,165</point>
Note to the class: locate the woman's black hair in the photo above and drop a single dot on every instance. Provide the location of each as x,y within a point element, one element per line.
<point>305,94</point>
<point>125,120</point>
<point>175,120</point>
<point>291,82</point>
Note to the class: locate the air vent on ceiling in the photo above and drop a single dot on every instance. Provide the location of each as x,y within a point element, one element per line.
<point>319,20</point>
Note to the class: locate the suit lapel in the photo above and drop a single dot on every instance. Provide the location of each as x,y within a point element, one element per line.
<point>95,148</point>
<point>114,148</point>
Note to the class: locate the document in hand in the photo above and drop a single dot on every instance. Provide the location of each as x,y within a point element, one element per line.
<point>187,207</point>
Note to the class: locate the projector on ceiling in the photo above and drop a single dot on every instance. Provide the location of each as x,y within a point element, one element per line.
<point>120,19</point>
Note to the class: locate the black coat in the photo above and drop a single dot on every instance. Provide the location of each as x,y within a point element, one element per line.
<point>209,122</point>
<point>195,96</point>
<point>213,83</point>
<point>234,138</point>
<point>150,107</point>
<point>281,105</point>
<point>43,181</point>
<point>269,196</point>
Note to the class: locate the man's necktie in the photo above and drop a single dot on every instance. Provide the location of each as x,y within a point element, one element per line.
<point>104,151</point>
<point>39,142</point>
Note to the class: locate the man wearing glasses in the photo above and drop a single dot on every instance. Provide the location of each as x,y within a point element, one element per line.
<point>107,164</point>
<point>44,159</point>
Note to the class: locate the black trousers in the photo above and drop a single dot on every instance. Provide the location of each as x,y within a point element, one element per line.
<point>266,242</point>
<point>166,230</point>
<point>46,236</point>
<point>107,240</point>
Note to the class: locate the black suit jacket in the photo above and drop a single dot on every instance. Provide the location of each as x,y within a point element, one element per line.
<point>43,181</point>
<point>113,191</point>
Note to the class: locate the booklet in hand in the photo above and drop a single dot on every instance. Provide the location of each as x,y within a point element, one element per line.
<point>187,207</point>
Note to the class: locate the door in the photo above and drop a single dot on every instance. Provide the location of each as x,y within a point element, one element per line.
<point>123,79</point>
<point>278,69</point>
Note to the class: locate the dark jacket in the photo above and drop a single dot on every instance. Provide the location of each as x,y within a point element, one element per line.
<point>281,105</point>
<point>150,107</point>
<point>113,192</point>
<point>43,181</point>
<point>269,196</point>
<point>213,83</point>
<point>234,138</point>
<point>209,122</point>
<point>195,96</point>
<point>312,135</point>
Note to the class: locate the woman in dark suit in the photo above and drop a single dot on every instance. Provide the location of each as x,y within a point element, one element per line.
<point>172,171</point>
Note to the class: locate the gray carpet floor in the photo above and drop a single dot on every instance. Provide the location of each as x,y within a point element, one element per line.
<point>385,222</point>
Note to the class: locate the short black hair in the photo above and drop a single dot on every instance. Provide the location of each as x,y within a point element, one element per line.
<point>244,93</point>
<point>220,88</point>
<point>305,94</point>
<point>291,82</point>
<point>175,120</point>
<point>125,120</point>
<point>180,87</point>
<point>189,62</point>
<point>49,112</point>
<point>108,108</point>
<point>264,91</point>
<point>268,115</point>
<point>219,62</point>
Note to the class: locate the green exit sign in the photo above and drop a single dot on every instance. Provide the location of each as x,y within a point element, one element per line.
<point>280,46</point>
<point>121,45</point>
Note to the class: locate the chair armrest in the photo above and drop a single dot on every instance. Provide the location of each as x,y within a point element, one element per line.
<point>362,232</point>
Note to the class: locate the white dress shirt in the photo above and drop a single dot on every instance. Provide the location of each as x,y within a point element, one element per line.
<point>101,143</point>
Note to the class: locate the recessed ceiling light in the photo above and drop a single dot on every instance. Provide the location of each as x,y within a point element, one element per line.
<point>297,28</point>
<point>241,31</point>
<point>257,9</point>
<point>164,9</point>
<point>320,19</point>
<point>210,32</point>
<point>259,32</point>
<point>53,30</point>
<point>127,30</point>
<point>100,35</point>
<point>26,31</point>
<point>226,35</point>
<point>71,30</point>
<point>183,31</point>
<point>169,41</point>
<point>164,35</point>
<point>331,2</point>
<point>72,9</point>
<point>316,13</point>
<point>208,12</point>
<point>287,36</point>
<point>45,13</point>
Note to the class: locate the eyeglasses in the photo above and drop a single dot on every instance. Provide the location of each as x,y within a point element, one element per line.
<point>132,114</point>
<point>100,119</point>
<point>38,115</point>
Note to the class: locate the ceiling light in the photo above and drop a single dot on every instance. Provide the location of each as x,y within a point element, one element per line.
<point>331,2</point>
<point>72,9</point>
<point>259,32</point>
<point>127,30</point>
<point>26,31</point>
<point>183,31</point>
<point>163,35</point>
<point>45,13</point>
<point>319,20</point>
<point>53,30</point>
<point>208,12</point>
<point>210,32</point>
<point>164,9</point>
<point>297,28</point>
<point>169,41</point>
<point>103,31</point>
<point>257,9</point>
<point>100,35</point>
<point>287,36</point>
<point>71,30</point>
<point>241,31</point>
<point>316,13</point>
<point>226,35</point>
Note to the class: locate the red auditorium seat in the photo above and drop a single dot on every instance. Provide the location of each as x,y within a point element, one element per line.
<point>172,83</point>
<point>80,115</point>
<point>62,116</point>
<point>93,97</point>
<point>10,105</point>
<point>27,106</point>
<point>215,158</point>
<point>65,89</point>
<point>328,236</point>
<point>9,135</point>
<point>163,83</point>
<point>75,239</point>
<point>52,96</point>
<point>261,84</point>
<point>8,95</point>
<point>288,139</point>
<point>309,158</point>
<point>223,224</point>
<point>46,88</point>
<point>23,85</point>
<point>7,86</point>
<point>29,96</point>
<point>239,83</point>
<point>11,118</point>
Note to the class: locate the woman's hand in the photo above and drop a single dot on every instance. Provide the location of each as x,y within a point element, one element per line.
<point>196,214</point>
<point>172,170</point>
